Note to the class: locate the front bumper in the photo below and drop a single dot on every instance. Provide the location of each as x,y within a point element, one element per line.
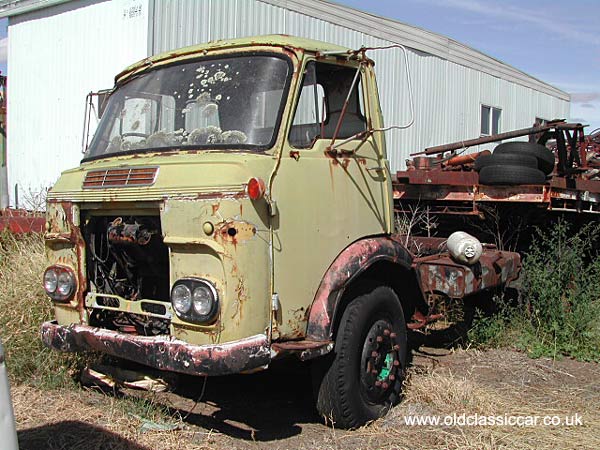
<point>162,352</point>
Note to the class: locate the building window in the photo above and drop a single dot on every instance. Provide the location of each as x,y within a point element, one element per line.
<point>490,120</point>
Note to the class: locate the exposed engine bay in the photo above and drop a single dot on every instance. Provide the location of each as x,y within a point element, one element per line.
<point>126,257</point>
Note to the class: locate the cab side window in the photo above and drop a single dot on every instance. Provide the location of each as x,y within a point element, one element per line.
<point>324,91</point>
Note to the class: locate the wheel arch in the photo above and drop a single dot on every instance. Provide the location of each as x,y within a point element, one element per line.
<point>380,260</point>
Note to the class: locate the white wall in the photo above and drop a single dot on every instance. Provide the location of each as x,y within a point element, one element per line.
<point>56,56</point>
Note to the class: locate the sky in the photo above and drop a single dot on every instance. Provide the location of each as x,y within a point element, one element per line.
<point>555,41</point>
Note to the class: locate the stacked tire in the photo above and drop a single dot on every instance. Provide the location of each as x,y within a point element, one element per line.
<point>515,163</point>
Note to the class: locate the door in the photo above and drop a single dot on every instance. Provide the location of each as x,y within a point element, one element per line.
<point>325,200</point>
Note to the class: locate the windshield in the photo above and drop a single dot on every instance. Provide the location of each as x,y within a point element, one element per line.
<point>233,102</point>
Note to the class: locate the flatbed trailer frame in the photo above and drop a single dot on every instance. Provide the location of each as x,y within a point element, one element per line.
<point>448,184</point>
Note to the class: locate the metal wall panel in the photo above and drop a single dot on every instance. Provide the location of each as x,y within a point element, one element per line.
<point>448,96</point>
<point>56,56</point>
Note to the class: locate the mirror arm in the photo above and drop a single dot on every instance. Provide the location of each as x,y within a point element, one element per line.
<point>344,108</point>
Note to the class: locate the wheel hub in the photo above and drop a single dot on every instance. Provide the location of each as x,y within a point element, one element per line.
<point>380,361</point>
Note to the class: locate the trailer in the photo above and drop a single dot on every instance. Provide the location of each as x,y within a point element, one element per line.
<point>452,185</point>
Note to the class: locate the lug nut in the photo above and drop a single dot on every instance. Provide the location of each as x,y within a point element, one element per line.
<point>386,332</point>
<point>385,385</point>
<point>374,354</point>
<point>379,339</point>
<point>393,335</point>
<point>396,363</point>
<point>378,383</point>
<point>392,377</point>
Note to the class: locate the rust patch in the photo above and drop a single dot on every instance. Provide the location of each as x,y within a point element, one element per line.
<point>297,323</point>
<point>235,232</point>
<point>241,297</point>
<point>76,238</point>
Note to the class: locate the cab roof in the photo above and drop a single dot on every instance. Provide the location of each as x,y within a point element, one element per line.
<point>273,40</point>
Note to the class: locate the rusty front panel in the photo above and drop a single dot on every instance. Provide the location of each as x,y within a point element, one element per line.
<point>65,246</point>
<point>351,262</point>
<point>234,257</point>
<point>162,352</point>
<point>191,190</point>
<point>440,274</point>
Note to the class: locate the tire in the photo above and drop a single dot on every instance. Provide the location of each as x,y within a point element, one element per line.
<point>506,159</point>
<point>363,379</point>
<point>544,156</point>
<point>511,175</point>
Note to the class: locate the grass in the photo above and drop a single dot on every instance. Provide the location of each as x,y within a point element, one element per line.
<point>23,308</point>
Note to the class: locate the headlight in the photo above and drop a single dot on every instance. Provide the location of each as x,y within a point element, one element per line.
<point>65,284</point>
<point>194,300</point>
<point>181,298</point>
<point>50,281</point>
<point>203,300</point>
<point>59,283</point>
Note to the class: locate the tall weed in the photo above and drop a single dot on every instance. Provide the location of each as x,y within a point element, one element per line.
<point>559,309</point>
<point>562,291</point>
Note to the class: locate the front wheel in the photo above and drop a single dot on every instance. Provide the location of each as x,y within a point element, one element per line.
<point>363,379</point>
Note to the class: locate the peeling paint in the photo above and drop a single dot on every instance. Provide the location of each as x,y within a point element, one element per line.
<point>162,352</point>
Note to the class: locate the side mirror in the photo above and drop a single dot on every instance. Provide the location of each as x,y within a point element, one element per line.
<point>95,102</point>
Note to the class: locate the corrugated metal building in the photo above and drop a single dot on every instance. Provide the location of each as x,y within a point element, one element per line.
<point>60,50</point>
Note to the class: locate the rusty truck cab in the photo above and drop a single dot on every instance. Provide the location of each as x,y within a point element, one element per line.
<point>208,207</point>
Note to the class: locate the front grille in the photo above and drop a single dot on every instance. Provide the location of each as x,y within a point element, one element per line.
<point>138,176</point>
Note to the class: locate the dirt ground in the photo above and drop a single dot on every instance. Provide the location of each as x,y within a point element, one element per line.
<point>274,410</point>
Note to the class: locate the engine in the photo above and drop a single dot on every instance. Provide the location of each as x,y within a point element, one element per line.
<point>126,257</point>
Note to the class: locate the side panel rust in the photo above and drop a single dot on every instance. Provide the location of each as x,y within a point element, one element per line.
<point>354,260</point>
<point>440,274</point>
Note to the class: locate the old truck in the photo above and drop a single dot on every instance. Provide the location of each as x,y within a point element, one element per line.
<point>235,206</point>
